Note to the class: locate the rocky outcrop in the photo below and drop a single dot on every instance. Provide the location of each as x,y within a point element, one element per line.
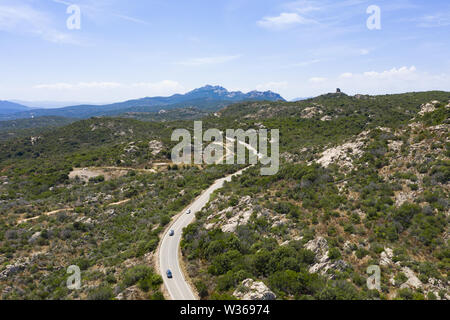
<point>428,107</point>
<point>156,147</point>
<point>343,155</point>
<point>254,290</point>
<point>310,112</point>
<point>34,237</point>
<point>230,218</point>
<point>240,217</point>
<point>323,262</point>
<point>438,287</point>
<point>131,293</point>
<point>13,269</point>
<point>131,148</point>
<point>386,257</point>
<point>35,140</point>
<point>413,282</point>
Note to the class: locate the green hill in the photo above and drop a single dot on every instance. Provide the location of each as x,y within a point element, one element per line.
<point>363,180</point>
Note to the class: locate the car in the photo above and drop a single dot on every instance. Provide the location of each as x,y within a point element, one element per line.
<point>189,211</point>
<point>169,274</point>
<point>171,233</point>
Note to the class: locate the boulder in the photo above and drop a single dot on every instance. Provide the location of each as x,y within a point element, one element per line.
<point>254,290</point>
<point>386,257</point>
<point>323,263</point>
<point>413,282</point>
<point>34,237</point>
<point>13,269</point>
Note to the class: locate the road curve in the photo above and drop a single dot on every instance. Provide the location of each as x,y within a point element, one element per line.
<point>168,253</point>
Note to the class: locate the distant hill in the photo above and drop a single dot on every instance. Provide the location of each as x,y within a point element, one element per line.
<point>40,104</point>
<point>189,113</point>
<point>209,98</point>
<point>7,108</point>
<point>25,127</point>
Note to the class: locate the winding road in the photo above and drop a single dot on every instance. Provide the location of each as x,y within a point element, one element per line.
<point>169,250</point>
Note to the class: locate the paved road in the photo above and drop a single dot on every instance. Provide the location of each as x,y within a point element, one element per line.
<point>169,250</point>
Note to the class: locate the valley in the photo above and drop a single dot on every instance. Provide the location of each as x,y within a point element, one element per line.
<point>363,180</point>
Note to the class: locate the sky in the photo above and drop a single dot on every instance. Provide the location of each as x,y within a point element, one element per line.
<point>132,49</point>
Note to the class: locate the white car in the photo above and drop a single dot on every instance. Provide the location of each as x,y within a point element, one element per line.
<point>189,211</point>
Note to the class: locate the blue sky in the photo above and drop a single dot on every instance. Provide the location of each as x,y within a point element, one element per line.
<point>132,49</point>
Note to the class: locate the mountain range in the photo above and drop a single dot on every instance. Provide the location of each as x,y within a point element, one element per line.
<point>8,107</point>
<point>207,98</point>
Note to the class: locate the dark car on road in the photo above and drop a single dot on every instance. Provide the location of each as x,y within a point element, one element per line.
<point>169,274</point>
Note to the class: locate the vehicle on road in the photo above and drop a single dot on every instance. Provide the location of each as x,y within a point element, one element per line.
<point>189,211</point>
<point>171,233</point>
<point>169,274</point>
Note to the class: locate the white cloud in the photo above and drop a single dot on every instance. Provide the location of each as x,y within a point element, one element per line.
<point>317,80</point>
<point>23,19</point>
<point>364,52</point>
<point>432,21</point>
<point>208,60</point>
<point>394,80</point>
<point>403,72</point>
<point>346,75</point>
<point>284,20</point>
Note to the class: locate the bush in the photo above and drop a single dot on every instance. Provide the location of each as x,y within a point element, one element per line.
<point>202,289</point>
<point>361,253</point>
<point>102,292</point>
<point>134,274</point>
<point>334,253</point>
<point>150,281</point>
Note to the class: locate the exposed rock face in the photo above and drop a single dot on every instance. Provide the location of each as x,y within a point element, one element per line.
<point>131,148</point>
<point>386,257</point>
<point>318,245</point>
<point>35,140</point>
<point>428,107</point>
<point>436,287</point>
<point>343,154</point>
<point>395,145</point>
<point>413,282</point>
<point>405,196</point>
<point>310,112</point>
<point>288,157</point>
<point>241,217</point>
<point>230,218</point>
<point>323,263</point>
<point>156,147</point>
<point>254,290</point>
<point>13,268</point>
<point>34,237</point>
<point>131,293</point>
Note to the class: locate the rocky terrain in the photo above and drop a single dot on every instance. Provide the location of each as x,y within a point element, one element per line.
<point>379,197</point>
<point>363,181</point>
